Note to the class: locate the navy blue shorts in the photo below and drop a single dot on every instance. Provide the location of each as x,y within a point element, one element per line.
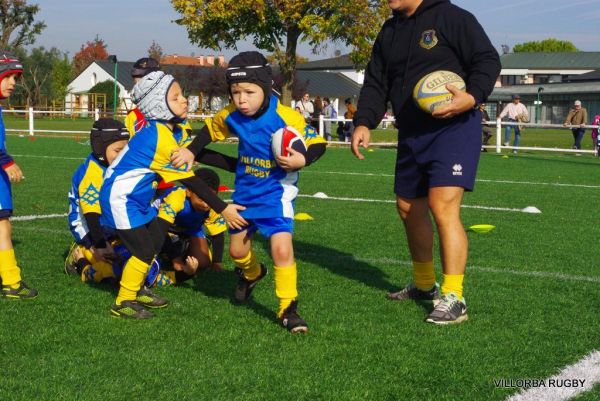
<point>445,157</point>
<point>6,205</point>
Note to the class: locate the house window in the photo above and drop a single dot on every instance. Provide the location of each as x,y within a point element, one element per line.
<point>94,79</point>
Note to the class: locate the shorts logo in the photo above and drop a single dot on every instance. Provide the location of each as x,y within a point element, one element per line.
<point>428,39</point>
<point>457,169</point>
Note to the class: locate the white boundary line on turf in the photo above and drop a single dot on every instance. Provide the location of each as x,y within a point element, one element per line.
<point>586,370</point>
<point>538,274</point>
<point>534,273</point>
<point>553,184</point>
<point>37,217</point>
<point>501,209</point>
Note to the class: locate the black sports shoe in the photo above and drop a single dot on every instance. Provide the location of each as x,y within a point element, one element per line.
<point>21,292</point>
<point>149,299</point>
<point>130,310</point>
<point>450,310</point>
<point>292,321</point>
<point>244,287</point>
<point>412,293</point>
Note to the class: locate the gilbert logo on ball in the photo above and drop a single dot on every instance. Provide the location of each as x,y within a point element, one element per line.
<point>287,137</point>
<point>430,92</point>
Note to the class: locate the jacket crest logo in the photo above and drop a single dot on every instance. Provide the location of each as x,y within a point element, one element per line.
<point>428,39</point>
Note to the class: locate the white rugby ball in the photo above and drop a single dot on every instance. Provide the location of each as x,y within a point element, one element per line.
<point>287,137</point>
<point>430,92</point>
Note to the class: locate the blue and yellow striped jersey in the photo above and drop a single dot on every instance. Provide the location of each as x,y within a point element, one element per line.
<point>130,181</point>
<point>260,184</point>
<point>135,121</point>
<point>84,196</point>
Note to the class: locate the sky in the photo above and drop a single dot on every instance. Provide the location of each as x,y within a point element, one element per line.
<point>128,27</point>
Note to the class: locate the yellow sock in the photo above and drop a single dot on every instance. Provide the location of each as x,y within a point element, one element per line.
<point>453,283</point>
<point>285,286</point>
<point>100,271</point>
<point>9,271</point>
<point>249,265</point>
<point>132,279</point>
<point>423,275</point>
<point>166,278</point>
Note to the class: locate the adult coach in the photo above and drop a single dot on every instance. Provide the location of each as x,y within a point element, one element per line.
<point>438,153</point>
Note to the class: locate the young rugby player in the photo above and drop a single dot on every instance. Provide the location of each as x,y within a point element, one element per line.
<point>264,185</point>
<point>195,225</point>
<point>10,273</point>
<point>130,185</point>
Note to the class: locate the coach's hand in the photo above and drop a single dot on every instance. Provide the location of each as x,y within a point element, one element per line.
<point>360,137</point>
<point>461,102</point>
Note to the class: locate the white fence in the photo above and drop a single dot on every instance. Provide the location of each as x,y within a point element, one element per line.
<point>499,146</point>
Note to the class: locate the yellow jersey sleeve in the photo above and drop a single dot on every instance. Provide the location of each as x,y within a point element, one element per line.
<point>161,163</point>
<point>216,125</point>
<point>172,204</point>
<point>89,190</point>
<point>214,223</point>
<point>130,120</point>
<point>296,120</point>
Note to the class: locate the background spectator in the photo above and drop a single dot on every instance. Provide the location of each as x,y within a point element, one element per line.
<point>328,112</point>
<point>515,112</point>
<point>577,119</point>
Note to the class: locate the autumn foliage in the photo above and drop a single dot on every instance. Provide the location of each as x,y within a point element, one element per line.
<point>91,51</point>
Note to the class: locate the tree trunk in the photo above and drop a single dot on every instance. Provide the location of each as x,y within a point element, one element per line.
<point>288,66</point>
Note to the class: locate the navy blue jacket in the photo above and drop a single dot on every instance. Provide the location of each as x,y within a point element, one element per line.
<point>438,36</point>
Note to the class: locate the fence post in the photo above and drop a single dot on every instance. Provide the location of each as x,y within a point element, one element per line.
<point>498,135</point>
<point>96,114</point>
<point>321,126</point>
<point>31,121</point>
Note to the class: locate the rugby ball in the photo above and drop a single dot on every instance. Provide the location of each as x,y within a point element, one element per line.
<point>430,92</point>
<point>287,137</point>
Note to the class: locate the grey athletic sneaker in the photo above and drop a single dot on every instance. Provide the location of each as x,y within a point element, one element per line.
<point>449,310</point>
<point>146,297</point>
<point>130,310</point>
<point>412,293</point>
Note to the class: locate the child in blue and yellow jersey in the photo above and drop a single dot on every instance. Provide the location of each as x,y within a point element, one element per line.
<point>135,120</point>
<point>264,184</point>
<point>130,184</point>
<point>196,224</point>
<point>10,273</point>
<point>107,137</point>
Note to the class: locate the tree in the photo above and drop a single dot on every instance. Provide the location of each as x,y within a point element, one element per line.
<point>213,83</point>
<point>547,46</point>
<point>90,52</point>
<point>108,88</point>
<point>277,26</point>
<point>155,51</point>
<point>42,80</point>
<point>62,74</point>
<point>16,16</point>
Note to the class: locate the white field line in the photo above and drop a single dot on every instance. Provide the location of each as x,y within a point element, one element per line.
<point>568,383</point>
<point>554,184</point>
<point>501,209</point>
<point>37,217</point>
<point>508,270</point>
